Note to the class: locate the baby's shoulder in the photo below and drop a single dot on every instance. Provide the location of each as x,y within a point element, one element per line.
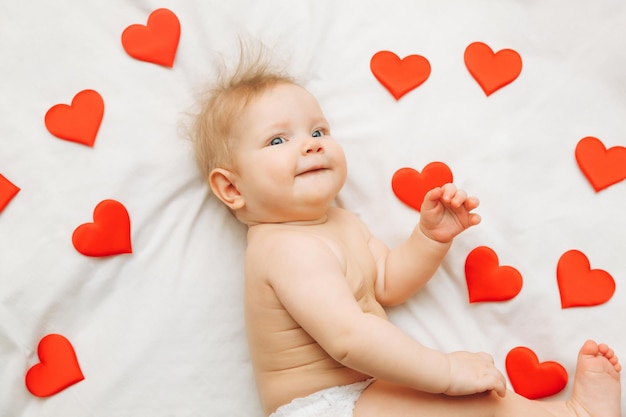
<point>280,252</point>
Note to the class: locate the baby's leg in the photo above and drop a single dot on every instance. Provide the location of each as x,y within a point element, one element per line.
<point>386,399</point>
<point>596,393</point>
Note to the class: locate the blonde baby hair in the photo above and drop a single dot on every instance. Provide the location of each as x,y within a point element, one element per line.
<point>224,100</point>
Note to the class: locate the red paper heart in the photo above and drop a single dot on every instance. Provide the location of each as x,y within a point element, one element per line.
<point>156,42</point>
<point>492,71</point>
<point>399,76</point>
<point>411,187</point>
<point>78,122</point>
<point>603,167</point>
<point>58,367</point>
<point>579,285</point>
<point>109,234</point>
<point>8,190</point>
<point>532,379</point>
<point>487,280</point>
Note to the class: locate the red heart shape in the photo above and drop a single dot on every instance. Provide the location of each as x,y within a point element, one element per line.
<point>411,187</point>
<point>8,190</point>
<point>492,71</point>
<point>58,367</point>
<point>78,122</point>
<point>156,42</point>
<point>532,379</point>
<point>109,234</point>
<point>603,167</point>
<point>579,285</point>
<point>399,76</point>
<point>487,280</point>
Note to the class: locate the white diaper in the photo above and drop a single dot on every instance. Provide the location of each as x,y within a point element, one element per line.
<point>330,402</point>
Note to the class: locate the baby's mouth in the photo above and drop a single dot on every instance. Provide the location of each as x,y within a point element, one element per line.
<point>312,170</point>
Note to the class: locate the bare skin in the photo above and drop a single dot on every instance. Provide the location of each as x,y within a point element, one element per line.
<point>317,282</point>
<point>348,338</point>
<point>596,393</point>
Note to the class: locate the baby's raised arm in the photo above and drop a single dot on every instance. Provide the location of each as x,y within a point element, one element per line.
<point>445,212</point>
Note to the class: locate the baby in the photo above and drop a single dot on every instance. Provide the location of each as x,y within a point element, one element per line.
<point>316,280</point>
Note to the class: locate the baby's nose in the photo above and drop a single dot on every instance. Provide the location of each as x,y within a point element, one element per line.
<point>313,146</point>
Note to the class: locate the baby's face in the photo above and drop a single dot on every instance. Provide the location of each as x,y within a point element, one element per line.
<point>288,167</point>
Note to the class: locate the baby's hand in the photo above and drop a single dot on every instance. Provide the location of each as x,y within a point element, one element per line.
<point>473,373</point>
<point>446,212</point>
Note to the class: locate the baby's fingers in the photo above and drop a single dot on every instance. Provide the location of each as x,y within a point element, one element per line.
<point>450,194</point>
<point>501,389</point>
<point>458,198</point>
<point>496,382</point>
<point>432,199</point>
<point>471,203</point>
<point>434,194</point>
<point>474,219</point>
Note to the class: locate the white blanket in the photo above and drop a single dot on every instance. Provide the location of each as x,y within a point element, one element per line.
<point>157,326</point>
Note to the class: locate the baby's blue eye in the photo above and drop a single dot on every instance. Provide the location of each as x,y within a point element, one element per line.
<point>277,141</point>
<point>317,134</point>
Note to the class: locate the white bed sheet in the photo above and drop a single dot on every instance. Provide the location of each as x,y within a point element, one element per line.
<point>159,331</point>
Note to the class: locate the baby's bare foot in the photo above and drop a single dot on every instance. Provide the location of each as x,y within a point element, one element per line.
<point>597,389</point>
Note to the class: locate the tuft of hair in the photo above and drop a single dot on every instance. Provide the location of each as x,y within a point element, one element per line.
<point>224,100</point>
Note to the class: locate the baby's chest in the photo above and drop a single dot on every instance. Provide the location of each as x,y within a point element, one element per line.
<point>360,265</point>
<point>361,273</point>
<point>351,244</point>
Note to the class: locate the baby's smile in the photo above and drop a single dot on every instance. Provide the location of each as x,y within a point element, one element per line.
<point>312,170</point>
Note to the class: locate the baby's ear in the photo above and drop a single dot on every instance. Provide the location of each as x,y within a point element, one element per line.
<point>223,186</point>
